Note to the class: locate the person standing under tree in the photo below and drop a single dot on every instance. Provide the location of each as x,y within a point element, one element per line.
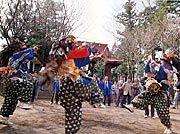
<point>36,86</point>
<point>127,91</point>
<point>136,87</point>
<point>114,92</point>
<point>120,92</point>
<point>106,89</point>
<point>55,90</point>
<point>177,92</point>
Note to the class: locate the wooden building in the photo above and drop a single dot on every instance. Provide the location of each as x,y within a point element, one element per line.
<point>110,62</point>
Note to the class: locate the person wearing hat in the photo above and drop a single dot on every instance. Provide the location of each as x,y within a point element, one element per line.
<point>159,99</point>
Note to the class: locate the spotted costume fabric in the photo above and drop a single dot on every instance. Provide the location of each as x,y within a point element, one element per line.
<point>14,91</point>
<point>71,97</point>
<point>160,101</point>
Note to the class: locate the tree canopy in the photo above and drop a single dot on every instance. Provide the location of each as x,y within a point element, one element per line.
<point>155,27</point>
<point>37,22</point>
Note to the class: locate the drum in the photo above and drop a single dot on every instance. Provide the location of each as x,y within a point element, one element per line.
<point>152,86</point>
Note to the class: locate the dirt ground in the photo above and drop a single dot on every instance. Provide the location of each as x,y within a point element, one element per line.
<point>44,118</point>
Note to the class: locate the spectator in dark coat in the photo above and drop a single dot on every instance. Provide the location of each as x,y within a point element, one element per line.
<point>106,89</point>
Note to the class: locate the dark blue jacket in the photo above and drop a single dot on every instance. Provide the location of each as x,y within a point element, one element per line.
<point>162,75</point>
<point>19,63</point>
<point>55,86</point>
<point>36,84</point>
<point>104,88</point>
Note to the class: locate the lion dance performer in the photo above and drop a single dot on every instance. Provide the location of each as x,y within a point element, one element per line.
<point>16,84</point>
<point>75,87</point>
<point>156,90</point>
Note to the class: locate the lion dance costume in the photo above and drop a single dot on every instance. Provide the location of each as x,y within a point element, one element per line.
<point>16,80</point>
<point>74,87</point>
<point>156,93</point>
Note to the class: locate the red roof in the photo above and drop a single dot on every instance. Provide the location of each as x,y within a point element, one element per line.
<point>103,48</point>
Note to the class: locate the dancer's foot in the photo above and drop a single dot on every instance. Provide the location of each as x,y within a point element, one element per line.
<point>145,116</point>
<point>99,105</point>
<point>102,106</point>
<point>168,131</point>
<point>129,107</point>
<point>5,121</point>
<point>153,117</point>
<point>25,106</point>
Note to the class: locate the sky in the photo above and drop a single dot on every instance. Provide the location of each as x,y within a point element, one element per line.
<point>97,19</point>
